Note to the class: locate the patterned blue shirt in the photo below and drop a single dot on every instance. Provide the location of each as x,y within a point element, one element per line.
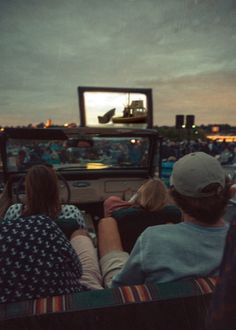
<point>36,260</point>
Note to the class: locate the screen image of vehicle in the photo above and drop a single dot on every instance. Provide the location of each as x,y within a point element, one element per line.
<point>115,107</point>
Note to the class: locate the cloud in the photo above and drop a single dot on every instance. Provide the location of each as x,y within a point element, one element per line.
<point>48,48</point>
<point>208,96</point>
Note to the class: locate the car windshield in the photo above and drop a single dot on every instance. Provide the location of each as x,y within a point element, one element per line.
<point>100,153</point>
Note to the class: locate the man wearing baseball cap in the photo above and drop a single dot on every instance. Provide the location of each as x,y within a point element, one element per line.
<point>169,252</point>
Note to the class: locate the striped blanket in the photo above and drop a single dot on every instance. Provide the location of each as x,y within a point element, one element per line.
<point>108,298</point>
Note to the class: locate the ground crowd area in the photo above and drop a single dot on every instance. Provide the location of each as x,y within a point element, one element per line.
<point>224,151</point>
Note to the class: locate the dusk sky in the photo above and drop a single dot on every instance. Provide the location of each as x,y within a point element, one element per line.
<point>185,50</point>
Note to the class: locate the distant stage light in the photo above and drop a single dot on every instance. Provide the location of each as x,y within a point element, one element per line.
<point>193,126</point>
<point>132,140</point>
<point>183,126</point>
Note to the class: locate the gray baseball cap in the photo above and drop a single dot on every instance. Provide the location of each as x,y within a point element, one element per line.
<point>194,172</point>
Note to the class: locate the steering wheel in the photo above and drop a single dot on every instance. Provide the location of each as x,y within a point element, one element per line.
<point>64,189</point>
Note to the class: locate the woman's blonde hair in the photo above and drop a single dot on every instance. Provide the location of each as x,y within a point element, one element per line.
<point>152,195</point>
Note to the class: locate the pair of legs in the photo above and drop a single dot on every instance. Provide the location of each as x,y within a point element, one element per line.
<point>84,248</point>
<point>112,256</point>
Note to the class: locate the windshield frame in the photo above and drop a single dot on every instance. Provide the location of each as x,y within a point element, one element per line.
<point>88,133</point>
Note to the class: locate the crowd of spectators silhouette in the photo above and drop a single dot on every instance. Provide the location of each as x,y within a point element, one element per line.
<point>224,151</point>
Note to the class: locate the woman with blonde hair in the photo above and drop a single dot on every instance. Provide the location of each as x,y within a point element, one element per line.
<point>152,195</point>
<point>150,206</point>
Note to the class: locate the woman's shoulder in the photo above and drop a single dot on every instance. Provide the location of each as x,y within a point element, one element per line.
<point>67,208</point>
<point>70,211</point>
<point>15,206</point>
<point>13,212</point>
<point>70,219</point>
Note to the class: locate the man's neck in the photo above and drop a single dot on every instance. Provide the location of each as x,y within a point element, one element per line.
<point>219,223</point>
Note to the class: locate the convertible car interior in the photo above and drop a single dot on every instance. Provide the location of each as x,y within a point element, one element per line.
<point>94,162</point>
